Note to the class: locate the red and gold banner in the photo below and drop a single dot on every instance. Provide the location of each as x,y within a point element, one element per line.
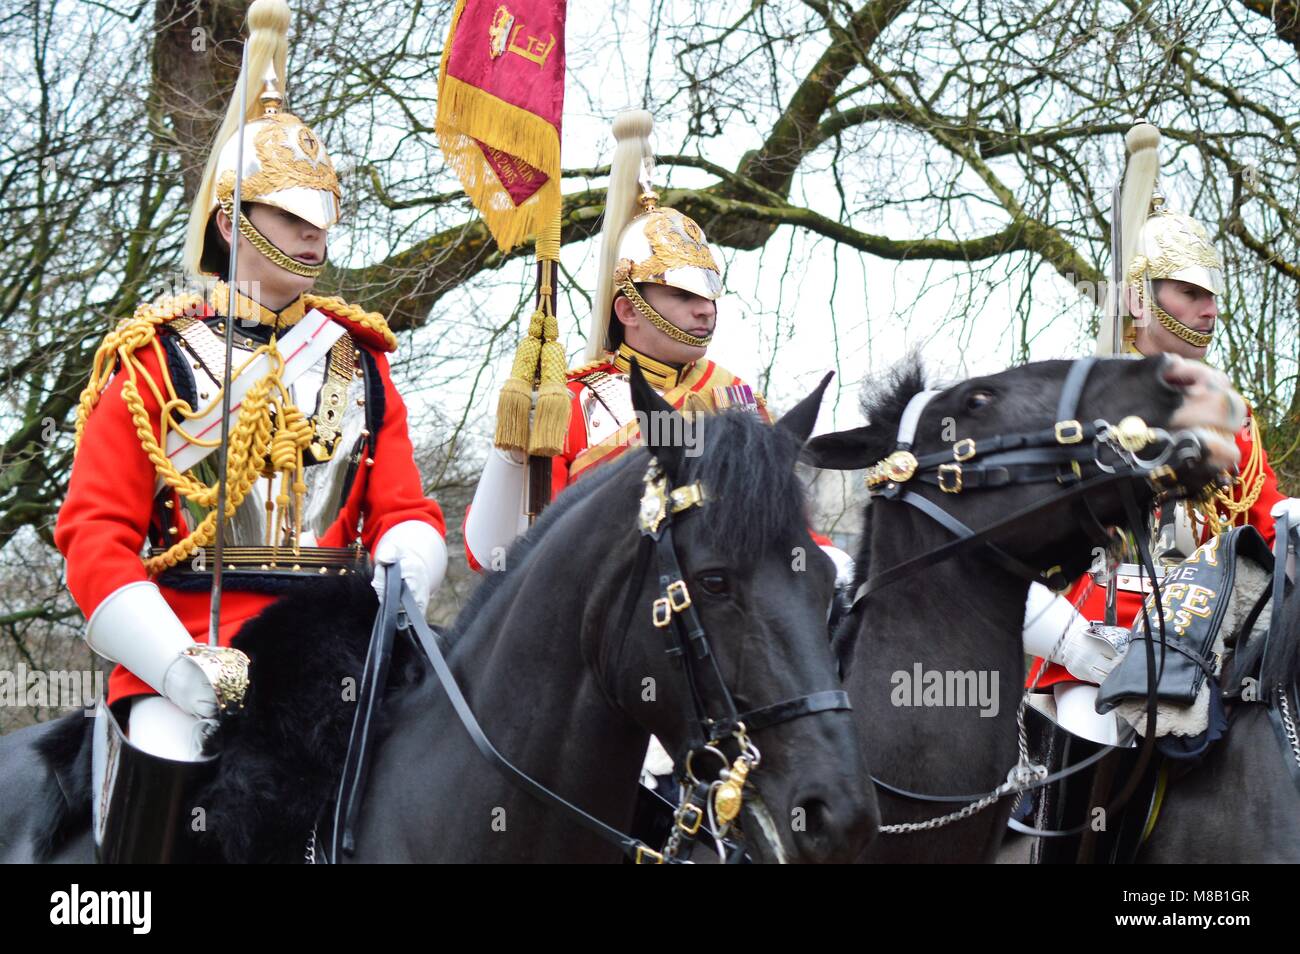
<point>500,98</point>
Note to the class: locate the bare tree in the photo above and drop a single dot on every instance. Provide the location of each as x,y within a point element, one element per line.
<point>972,145</point>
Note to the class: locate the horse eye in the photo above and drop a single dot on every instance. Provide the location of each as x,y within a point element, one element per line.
<point>715,584</point>
<point>978,399</point>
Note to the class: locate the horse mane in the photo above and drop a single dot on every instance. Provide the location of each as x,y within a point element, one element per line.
<point>883,401</point>
<point>746,467</point>
<point>756,498</point>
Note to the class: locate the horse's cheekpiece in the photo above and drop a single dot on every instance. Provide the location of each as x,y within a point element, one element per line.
<point>140,803</point>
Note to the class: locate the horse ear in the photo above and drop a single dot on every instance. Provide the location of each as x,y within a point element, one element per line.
<point>842,450</point>
<point>801,418</point>
<point>651,409</point>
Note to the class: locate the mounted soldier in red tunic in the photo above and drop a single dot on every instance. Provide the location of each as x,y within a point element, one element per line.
<point>1170,282</point>
<point>655,303</point>
<point>320,477</point>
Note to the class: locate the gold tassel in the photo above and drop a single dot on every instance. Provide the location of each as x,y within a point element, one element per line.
<point>539,362</point>
<point>516,401</point>
<point>553,404</point>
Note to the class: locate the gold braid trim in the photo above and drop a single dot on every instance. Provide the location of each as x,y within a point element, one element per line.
<point>123,341</point>
<point>370,320</point>
<point>1251,482</point>
<point>251,439</point>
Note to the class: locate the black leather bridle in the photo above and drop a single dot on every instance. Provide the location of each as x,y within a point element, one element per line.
<point>716,716</point>
<point>716,719</point>
<point>1057,454</point>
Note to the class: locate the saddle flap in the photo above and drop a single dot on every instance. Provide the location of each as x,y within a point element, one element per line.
<point>1205,601</point>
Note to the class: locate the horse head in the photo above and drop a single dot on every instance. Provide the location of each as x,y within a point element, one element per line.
<point>756,587</point>
<point>1189,403</point>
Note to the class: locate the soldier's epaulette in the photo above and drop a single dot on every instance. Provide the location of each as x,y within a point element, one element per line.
<point>583,370</point>
<point>120,345</point>
<point>369,326</point>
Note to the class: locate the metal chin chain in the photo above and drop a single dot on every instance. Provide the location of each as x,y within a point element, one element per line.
<point>1024,775</point>
<point>1288,723</point>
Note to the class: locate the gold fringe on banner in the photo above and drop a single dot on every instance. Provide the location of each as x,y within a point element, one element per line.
<point>467,113</point>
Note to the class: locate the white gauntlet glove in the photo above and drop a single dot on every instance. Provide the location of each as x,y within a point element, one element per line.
<point>1055,630</point>
<point>422,554</point>
<point>134,626</point>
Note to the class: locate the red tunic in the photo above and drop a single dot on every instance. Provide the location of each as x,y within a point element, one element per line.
<point>104,522</point>
<point>1129,605</point>
<point>698,383</point>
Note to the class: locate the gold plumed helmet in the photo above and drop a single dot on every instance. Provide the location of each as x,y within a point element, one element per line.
<point>1158,243</point>
<point>643,242</point>
<point>285,162</point>
<point>1174,245</point>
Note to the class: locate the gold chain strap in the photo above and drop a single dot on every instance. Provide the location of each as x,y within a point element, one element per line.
<point>656,319</point>
<point>263,244</point>
<point>1251,481</point>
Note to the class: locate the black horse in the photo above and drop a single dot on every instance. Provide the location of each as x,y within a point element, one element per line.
<point>934,661</point>
<point>571,698</point>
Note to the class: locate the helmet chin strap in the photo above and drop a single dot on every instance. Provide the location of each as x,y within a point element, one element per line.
<point>264,245</point>
<point>1197,339</point>
<point>658,320</point>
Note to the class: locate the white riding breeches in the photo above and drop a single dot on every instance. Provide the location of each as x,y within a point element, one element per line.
<point>160,727</point>
<point>1076,711</point>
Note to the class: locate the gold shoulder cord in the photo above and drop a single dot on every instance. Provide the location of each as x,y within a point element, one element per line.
<point>255,449</point>
<point>370,320</point>
<point>1251,482</point>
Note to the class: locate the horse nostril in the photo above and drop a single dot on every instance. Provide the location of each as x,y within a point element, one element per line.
<point>816,817</point>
